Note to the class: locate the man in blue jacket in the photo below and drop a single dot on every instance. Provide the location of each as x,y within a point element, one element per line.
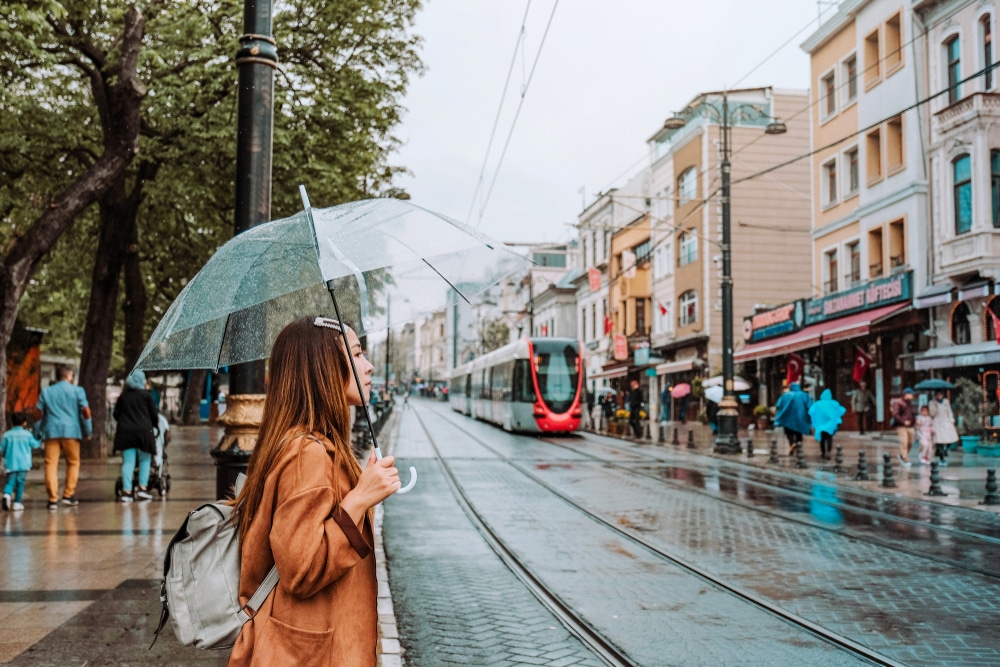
<point>64,408</point>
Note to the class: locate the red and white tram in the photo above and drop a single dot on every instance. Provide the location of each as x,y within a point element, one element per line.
<point>532,385</point>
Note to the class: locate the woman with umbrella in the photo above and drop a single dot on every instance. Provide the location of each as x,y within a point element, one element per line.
<point>826,415</point>
<point>945,434</point>
<point>306,508</point>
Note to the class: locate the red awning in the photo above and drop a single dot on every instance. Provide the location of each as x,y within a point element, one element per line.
<point>831,331</point>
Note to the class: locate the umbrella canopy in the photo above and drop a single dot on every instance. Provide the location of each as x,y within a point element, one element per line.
<point>680,390</point>
<point>389,262</point>
<point>714,393</point>
<point>930,385</point>
<point>739,384</point>
<point>604,391</point>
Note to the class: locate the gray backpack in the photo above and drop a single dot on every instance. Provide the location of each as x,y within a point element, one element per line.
<point>201,580</point>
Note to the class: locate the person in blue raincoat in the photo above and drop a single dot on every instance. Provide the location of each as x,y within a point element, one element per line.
<point>826,415</point>
<point>792,414</point>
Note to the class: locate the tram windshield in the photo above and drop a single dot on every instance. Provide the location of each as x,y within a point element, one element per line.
<point>558,377</point>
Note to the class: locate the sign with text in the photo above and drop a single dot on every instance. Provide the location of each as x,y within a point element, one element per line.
<point>873,294</point>
<point>775,322</point>
<point>621,347</point>
<point>595,279</point>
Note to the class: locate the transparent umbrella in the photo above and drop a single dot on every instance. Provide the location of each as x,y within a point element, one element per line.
<point>362,254</point>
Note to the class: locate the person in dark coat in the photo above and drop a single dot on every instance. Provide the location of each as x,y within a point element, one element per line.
<point>135,436</point>
<point>634,408</point>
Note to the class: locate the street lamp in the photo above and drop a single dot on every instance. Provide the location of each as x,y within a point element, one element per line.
<point>726,442</point>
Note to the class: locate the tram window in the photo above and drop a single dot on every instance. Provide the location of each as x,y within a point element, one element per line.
<point>558,374</point>
<point>524,389</point>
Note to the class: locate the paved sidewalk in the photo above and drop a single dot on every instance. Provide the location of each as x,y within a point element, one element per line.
<point>963,479</point>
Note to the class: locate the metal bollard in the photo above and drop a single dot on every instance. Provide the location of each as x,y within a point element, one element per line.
<point>992,498</point>
<point>800,456</point>
<point>838,460</point>
<point>935,489</point>
<point>645,432</point>
<point>774,460</point>
<point>675,439</point>
<point>862,475</point>
<point>888,481</point>
<point>690,439</point>
<point>750,447</point>
<point>662,435</point>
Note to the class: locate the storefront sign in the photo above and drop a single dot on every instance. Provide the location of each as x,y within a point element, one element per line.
<point>776,322</point>
<point>621,347</point>
<point>642,355</point>
<point>595,279</point>
<point>873,294</point>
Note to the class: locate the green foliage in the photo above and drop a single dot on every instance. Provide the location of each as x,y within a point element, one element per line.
<point>761,412</point>
<point>495,335</point>
<point>969,406</point>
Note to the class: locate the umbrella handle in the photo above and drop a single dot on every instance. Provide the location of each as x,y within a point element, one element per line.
<point>413,474</point>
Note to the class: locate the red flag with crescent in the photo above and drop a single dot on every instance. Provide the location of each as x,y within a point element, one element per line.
<point>862,362</point>
<point>795,365</point>
<point>996,324</point>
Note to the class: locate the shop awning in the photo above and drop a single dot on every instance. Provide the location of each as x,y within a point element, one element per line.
<point>974,290</point>
<point>957,356</point>
<point>844,328</point>
<point>619,372</point>
<point>681,366</point>
<point>935,295</point>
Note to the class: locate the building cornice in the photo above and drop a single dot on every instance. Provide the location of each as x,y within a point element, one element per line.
<point>845,14</point>
<point>918,188</point>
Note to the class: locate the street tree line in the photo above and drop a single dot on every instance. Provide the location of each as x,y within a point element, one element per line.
<point>117,151</point>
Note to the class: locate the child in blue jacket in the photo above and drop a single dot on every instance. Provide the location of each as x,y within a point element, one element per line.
<point>15,448</point>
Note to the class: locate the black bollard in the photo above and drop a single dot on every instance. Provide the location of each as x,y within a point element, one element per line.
<point>691,439</point>
<point>645,432</point>
<point>992,497</point>
<point>800,456</point>
<point>750,447</point>
<point>675,440</point>
<point>662,436</point>
<point>862,475</point>
<point>935,489</point>
<point>888,481</point>
<point>774,460</point>
<point>838,460</point>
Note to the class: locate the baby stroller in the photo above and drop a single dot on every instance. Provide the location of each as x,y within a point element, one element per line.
<point>159,475</point>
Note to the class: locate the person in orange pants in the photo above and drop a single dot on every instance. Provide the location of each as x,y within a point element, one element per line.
<point>65,416</point>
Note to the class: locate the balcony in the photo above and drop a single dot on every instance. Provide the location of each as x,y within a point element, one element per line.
<point>969,252</point>
<point>875,270</point>
<point>830,286</point>
<point>966,110</point>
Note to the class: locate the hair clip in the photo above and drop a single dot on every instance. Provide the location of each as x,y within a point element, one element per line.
<point>328,323</point>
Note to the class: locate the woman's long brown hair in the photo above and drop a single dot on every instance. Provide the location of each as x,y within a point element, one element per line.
<point>306,393</point>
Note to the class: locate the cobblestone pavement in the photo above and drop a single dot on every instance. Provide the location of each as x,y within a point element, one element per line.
<point>656,612</point>
<point>917,611</point>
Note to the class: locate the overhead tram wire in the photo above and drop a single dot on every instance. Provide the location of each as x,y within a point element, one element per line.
<point>517,113</point>
<point>496,120</point>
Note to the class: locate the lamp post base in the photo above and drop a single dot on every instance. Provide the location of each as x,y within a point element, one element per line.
<point>727,442</point>
<point>231,455</point>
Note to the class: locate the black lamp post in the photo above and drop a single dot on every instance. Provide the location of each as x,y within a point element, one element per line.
<point>726,442</point>
<point>256,59</point>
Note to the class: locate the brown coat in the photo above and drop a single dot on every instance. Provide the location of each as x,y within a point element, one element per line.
<point>323,610</point>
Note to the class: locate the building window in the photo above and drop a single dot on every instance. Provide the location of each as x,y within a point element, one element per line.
<point>893,44</point>
<point>897,245</point>
<point>832,269</point>
<point>830,183</point>
<point>853,174</point>
<point>689,248</point>
<point>687,186</point>
<point>873,155</point>
<point>875,265</point>
<point>961,329</point>
<point>987,34</point>
<point>851,77</point>
<point>873,65</point>
<point>854,253</point>
<point>894,145</point>
<point>583,322</point>
<point>962,176</point>
<point>828,84</point>
<point>642,252</point>
<point>995,186</point>
<point>666,311</point>
<point>583,251</point>
<point>640,316</point>
<point>689,308</point>
<point>953,67</point>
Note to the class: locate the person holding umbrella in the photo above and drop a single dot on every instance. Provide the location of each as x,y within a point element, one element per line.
<point>945,434</point>
<point>826,415</point>
<point>306,508</point>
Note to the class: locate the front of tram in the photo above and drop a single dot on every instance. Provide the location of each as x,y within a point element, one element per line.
<point>558,382</point>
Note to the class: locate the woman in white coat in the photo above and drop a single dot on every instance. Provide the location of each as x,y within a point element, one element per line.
<point>944,426</point>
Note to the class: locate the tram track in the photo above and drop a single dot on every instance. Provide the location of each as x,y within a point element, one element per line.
<point>591,636</point>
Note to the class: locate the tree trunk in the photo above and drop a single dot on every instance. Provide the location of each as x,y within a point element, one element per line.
<point>135,301</point>
<point>120,89</point>
<point>191,411</point>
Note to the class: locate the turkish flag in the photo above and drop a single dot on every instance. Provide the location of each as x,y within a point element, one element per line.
<point>795,365</point>
<point>608,325</point>
<point>996,324</point>
<point>663,309</point>
<point>862,362</point>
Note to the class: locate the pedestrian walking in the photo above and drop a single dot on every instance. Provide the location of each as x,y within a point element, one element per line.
<point>608,406</point>
<point>135,436</point>
<point>665,399</point>
<point>792,414</point>
<point>15,449</point>
<point>712,413</point>
<point>925,434</point>
<point>306,509</point>
<point>826,415</point>
<point>862,402</point>
<point>65,421</point>
<point>635,409</point>
<point>945,434</point>
<point>904,416</point>
<point>588,421</point>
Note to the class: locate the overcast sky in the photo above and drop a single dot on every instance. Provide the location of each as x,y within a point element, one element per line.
<point>608,75</point>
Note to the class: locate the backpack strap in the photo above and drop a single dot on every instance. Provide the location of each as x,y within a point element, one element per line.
<point>257,599</point>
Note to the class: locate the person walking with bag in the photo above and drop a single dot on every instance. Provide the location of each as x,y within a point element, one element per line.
<point>65,416</point>
<point>945,434</point>
<point>306,509</point>
<point>135,437</point>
